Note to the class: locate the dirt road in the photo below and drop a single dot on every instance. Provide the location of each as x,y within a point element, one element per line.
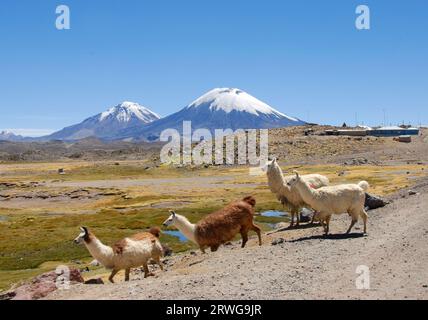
<point>305,266</point>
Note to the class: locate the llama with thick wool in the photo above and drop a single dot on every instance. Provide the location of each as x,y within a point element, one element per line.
<point>288,195</point>
<point>345,198</point>
<point>131,252</point>
<point>219,227</point>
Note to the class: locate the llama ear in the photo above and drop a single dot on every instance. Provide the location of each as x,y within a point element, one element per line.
<point>84,229</point>
<point>172,212</point>
<point>274,160</point>
<point>296,173</point>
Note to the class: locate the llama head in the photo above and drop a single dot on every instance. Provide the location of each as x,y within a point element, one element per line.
<point>84,233</point>
<point>270,165</point>
<point>293,181</point>
<point>171,220</point>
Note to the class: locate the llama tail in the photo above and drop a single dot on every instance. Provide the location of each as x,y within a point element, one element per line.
<point>250,200</point>
<point>364,185</point>
<point>155,231</point>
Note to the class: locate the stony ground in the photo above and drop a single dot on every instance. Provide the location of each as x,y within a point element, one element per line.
<point>305,266</point>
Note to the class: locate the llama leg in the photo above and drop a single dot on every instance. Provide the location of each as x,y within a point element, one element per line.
<point>313,218</point>
<point>202,249</point>
<point>322,222</point>
<point>159,262</point>
<point>292,219</point>
<point>244,235</point>
<point>147,273</point>
<point>259,233</point>
<point>354,221</point>
<point>214,248</point>
<point>113,273</point>
<point>127,272</point>
<point>298,218</point>
<point>327,222</point>
<point>364,215</point>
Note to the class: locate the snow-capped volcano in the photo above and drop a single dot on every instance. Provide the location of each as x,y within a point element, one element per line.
<point>229,100</point>
<point>106,125</point>
<point>128,111</point>
<point>221,108</point>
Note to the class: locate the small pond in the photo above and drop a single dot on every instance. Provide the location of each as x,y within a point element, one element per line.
<point>274,214</point>
<point>176,234</point>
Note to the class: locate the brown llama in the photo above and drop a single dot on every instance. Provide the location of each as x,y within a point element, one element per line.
<point>219,227</point>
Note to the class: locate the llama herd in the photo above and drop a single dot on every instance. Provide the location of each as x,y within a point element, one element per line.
<point>295,192</point>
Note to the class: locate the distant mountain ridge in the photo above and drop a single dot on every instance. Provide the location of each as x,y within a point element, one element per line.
<point>6,135</point>
<point>221,108</point>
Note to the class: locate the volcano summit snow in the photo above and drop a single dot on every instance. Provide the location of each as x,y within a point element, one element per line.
<point>222,108</point>
<point>108,124</point>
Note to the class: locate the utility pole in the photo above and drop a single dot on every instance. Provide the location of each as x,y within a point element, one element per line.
<point>384,117</point>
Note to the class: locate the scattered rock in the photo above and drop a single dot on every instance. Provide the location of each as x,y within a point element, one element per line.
<point>281,225</point>
<point>167,251</point>
<point>278,241</point>
<point>95,281</point>
<point>356,162</point>
<point>86,269</point>
<point>7,296</point>
<point>95,263</point>
<point>412,193</point>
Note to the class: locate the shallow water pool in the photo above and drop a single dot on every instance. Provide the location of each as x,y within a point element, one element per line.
<point>275,214</point>
<point>177,234</point>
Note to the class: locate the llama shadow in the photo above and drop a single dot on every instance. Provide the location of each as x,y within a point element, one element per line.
<point>341,236</point>
<point>300,227</point>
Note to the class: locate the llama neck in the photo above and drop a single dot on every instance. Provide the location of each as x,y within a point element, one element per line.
<point>306,192</point>
<point>186,227</point>
<point>104,254</point>
<point>276,179</point>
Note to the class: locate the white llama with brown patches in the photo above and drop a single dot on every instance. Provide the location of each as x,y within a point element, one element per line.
<point>345,198</point>
<point>131,252</point>
<point>288,195</point>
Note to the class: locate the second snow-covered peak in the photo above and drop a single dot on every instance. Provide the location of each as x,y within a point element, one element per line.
<point>127,110</point>
<point>232,99</point>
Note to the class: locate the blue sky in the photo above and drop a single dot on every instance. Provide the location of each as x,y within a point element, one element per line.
<point>305,58</point>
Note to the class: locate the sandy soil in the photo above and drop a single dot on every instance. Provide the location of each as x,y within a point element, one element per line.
<point>306,266</point>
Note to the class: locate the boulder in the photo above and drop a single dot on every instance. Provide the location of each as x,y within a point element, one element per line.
<point>95,281</point>
<point>95,263</point>
<point>373,202</point>
<point>40,286</point>
<point>306,215</point>
<point>167,251</point>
